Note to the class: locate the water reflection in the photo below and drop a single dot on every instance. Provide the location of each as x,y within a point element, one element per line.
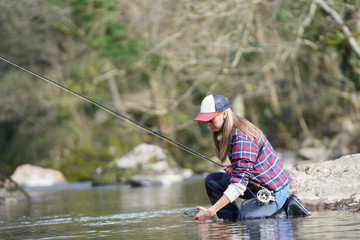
<point>121,212</point>
<point>14,211</point>
<point>250,229</point>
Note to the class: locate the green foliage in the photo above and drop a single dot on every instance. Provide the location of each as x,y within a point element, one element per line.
<point>335,39</point>
<point>154,61</point>
<point>115,43</point>
<point>355,77</point>
<point>160,71</point>
<point>284,15</point>
<point>79,163</point>
<point>105,32</point>
<point>111,174</point>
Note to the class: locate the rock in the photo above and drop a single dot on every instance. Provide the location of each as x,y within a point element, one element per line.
<point>343,206</point>
<point>326,185</point>
<point>146,181</point>
<point>145,165</point>
<point>315,154</point>
<point>33,176</point>
<point>11,193</point>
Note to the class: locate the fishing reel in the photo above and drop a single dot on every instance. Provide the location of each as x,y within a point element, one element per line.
<point>264,196</point>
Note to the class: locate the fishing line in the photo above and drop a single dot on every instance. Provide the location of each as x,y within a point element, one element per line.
<point>47,131</point>
<point>109,110</point>
<point>116,114</point>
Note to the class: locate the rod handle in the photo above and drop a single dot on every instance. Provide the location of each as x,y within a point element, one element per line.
<point>254,183</point>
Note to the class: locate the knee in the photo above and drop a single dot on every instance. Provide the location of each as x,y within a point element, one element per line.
<point>215,176</point>
<point>216,182</point>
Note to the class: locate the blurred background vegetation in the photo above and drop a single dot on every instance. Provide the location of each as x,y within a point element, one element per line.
<point>290,67</point>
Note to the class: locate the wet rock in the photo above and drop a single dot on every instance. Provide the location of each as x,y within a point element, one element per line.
<point>11,193</point>
<point>344,206</point>
<point>329,184</point>
<point>34,176</point>
<point>145,165</point>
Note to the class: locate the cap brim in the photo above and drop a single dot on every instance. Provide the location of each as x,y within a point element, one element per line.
<point>205,116</point>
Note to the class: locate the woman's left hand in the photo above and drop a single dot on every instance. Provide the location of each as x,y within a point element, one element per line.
<point>203,214</point>
<point>227,169</point>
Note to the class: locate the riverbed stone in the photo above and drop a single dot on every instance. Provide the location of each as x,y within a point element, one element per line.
<point>11,192</point>
<point>145,165</point>
<point>331,184</point>
<point>34,176</point>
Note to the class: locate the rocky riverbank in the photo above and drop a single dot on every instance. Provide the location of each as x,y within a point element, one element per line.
<point>146,165</point>
<point>325,185</point>
<point>11,192</point>
<point>329,185</point>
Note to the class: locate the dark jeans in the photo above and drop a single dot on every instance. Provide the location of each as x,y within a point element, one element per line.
<point>216,184</point>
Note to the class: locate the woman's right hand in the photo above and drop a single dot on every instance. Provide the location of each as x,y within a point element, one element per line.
<point>227,169</point>
<point>203,214</point>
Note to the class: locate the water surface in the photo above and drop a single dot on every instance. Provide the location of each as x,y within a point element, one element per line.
<point>79,211</point>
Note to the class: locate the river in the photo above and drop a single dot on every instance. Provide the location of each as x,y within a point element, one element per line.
<point>80,211</point>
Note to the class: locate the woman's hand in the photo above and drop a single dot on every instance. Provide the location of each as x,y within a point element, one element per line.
<point>227,169</point>
<point>203,214</point>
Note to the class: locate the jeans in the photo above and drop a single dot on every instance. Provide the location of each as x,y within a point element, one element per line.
<point>281,196</point>
<point>216,184</point>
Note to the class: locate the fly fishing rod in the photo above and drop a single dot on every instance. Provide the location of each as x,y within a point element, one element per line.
<point>119,115</point>
<point>111,111</point>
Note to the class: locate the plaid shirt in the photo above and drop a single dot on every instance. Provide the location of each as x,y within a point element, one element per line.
<point>256,161</point>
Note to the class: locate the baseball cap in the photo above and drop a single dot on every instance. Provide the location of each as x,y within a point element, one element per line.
<point>211,105</point>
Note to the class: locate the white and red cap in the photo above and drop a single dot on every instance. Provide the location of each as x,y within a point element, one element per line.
<point>210,106</point>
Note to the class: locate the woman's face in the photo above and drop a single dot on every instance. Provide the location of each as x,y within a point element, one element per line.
<point>217,122</point>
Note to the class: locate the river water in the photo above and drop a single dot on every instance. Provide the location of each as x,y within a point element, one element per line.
<point>79,211</point>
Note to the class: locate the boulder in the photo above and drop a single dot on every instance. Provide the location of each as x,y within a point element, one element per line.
<point>329,184</point>
<point>314,154</point>
<point>147,181</point>
<point>34,176</point>
<point>145,165</point>
<point>11,193</point>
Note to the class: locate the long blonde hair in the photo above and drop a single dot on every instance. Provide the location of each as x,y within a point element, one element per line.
<point>232,122</point>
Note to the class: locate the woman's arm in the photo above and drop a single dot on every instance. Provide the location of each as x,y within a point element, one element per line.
<point>206,213</point>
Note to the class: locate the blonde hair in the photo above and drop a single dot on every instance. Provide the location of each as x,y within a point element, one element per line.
<point>232,122</point>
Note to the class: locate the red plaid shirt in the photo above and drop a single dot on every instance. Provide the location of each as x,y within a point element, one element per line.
<point>256,161</point>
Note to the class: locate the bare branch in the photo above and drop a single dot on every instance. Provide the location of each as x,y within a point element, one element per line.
<point>299,39</point>
<point>244,39</point>
<point>348,34</point>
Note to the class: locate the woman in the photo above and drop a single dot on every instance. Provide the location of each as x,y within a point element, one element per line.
<point>252,159</point>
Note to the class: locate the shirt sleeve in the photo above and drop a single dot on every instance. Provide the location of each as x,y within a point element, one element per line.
<point>243,154</point>
<point>242,170</point>
<point>234,190</point>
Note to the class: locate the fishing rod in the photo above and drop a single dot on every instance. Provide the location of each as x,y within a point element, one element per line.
<point>45,130</point>
<point>111,111</point>
<point>119,115</point>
